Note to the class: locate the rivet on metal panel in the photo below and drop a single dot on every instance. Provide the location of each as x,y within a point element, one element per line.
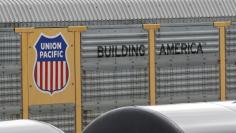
<point>152,72</point>
<point>221,26</point>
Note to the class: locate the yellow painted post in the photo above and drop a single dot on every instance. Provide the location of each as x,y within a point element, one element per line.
<point>77,33</point>
<point>152,67</point>
<point>222,35</point>
<point>24,63</point>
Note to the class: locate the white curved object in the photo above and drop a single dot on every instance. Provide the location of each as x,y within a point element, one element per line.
<point>211,117</point>
<point>27,126</point>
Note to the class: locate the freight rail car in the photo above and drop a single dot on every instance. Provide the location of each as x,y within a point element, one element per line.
<point>211,117</point>
<point>66,62</point>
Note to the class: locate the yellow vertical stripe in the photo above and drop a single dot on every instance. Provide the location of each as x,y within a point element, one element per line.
<point>152,67</point>
<point>222,36</point>
<point>78,84</point>
<point>222,65</point>
<point>24,60</point>
<point>77,36</point>
<point>152,72</point>
<point>24,64</point>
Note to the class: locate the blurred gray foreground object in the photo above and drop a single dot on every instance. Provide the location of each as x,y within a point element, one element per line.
<point>211,117</point>
<point>27,126</point>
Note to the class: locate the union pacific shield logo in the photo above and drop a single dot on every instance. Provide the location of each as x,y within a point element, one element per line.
<point>51,71</point>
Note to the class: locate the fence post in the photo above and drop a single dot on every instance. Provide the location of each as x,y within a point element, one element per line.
<point>78,97</point>
<point>152,67</point>
<point>222,55</point>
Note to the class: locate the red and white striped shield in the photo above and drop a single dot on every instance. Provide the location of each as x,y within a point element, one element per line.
<point>51,72</point>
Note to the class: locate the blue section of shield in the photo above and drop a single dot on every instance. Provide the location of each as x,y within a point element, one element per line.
<point>51,49</point>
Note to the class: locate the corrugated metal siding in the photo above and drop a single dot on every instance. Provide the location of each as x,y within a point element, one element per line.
<point>111,82</point>
<point>10,75</point>
<point>92,10</point>
<point>231,61</point>
<point>183,76</point>
<point>59,115</point>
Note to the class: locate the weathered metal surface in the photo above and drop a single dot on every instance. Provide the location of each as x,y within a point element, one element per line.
<point>187,67</point>
<point>59,115</point>
<point>231,61</point>
<point>84,10</point>
<point>113,79</point>
<point>114,68</point>
<point>10,75</point>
